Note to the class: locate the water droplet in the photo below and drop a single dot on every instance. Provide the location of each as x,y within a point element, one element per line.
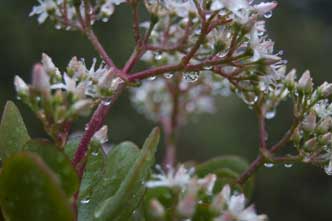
<point>270,114</point>
<point>85,201</point>
<point>152,78</point>
<point>107,102</point>
<point>288,165</point>
<point>168,75</point>
<point>158,56</point>
<point>95,153</point>
<point>268,165</point>
<point>208,68</point>
<point>191,76</point>
<point>268,14</point>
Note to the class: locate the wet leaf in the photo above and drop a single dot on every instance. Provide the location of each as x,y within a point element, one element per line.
<point>13,133</point>
<point>30,191</point>
<point>57,161</point>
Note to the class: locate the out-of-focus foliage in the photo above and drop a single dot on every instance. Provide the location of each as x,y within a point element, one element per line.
<point>303,28</point>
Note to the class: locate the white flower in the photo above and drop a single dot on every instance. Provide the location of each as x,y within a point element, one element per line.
<point>265,7</point>
<point>157,209</point>
<point>70,85</point>
<point>107,9</point>
<point>232,207</point>
<point>49,66</point>
<point>21,87</point>
<point>82,107</point>
<point>181,8</point>
<point>43,10</point>
<point>173,178</point>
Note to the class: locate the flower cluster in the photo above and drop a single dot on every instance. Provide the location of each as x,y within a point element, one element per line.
<point>234,49</point>
<point>57,98</point>
<point>67,13</point>
<point>190,194</point>
<point>155,97</point>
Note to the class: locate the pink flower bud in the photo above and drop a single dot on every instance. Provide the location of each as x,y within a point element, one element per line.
<point>305,84</point>
<point>40,79</point>
<point>309,122</point>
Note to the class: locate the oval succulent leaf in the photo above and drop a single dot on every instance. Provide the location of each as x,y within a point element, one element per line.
<point>103,177</point>
<point>13,133</point>
<point>29,190</point>
<point>58,162</point>
<point>132,187</point>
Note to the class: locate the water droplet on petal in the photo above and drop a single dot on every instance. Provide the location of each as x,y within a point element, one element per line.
<point>268,14</point>
<point>288,165</point>
<point>95,153</point>
<point>268,165</point>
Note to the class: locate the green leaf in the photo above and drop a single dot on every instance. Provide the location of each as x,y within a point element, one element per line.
<point>13,133</point>
<point>103,177</point>
<point>121,205</point>
<point>58,162</point>
<point>227,169</point>
<point>29,190</point>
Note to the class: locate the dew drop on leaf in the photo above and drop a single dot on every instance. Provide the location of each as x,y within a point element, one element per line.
<point>288,165</point>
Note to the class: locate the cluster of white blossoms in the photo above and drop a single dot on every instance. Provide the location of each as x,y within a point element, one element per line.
<point>59,98</point>
<point>64,13</point>
<point>191,194</point>
<point>236,52</point>
<point>155,97</point>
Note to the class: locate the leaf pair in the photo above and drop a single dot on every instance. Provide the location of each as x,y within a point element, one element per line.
<point>37,181</point>
<point>114,189</point>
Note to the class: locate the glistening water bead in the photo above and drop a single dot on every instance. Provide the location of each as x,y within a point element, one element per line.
<point>268,165</point>
<point>268,14</point>
<point>191,76</point>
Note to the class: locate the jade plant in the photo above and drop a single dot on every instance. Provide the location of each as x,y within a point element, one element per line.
<point>194,52</point>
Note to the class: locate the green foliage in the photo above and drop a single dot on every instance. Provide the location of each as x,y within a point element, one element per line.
<point>29,190</point>
<point>227,169</point>
<point>58,162</point>
<point>113,186</point>
<point>13,133</point>
<point>132,187</point>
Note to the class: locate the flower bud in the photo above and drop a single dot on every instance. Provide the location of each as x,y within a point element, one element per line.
<point>82,107</point>
<point>310,144</point>
<point>50,67</point>
<point>40,79</point>
<point>309,122</point>
<point>101,136</point>
<point>21,87</point>
<point>324,126</point>
<point>157,209</point>
<point>326,139</point>
<point>290,79</point>
<point>187,205</point>
<point>296,136</point>
<point>325,90</point>
<point>305,84</point>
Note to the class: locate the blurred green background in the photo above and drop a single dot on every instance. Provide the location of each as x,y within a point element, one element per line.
<point>303,28</point>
